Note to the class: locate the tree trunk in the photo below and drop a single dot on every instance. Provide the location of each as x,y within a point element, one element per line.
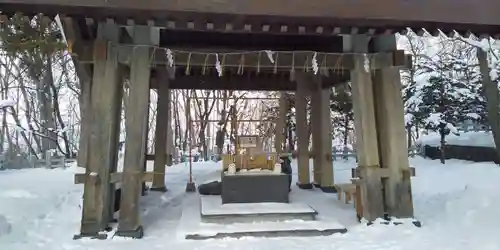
<point>46,111</point>
<point>442,148</point>
<point>408,129</point>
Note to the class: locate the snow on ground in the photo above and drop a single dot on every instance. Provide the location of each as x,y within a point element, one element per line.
<point>458,204</point>
<point>477,139</point>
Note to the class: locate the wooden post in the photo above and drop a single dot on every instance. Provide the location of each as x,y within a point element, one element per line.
<point>326,142</point>
<point>366,132</point>
<point>170,132</point>
<point>190,186</point>
<point>391,134</point>
<point>322,136</point>
<point>81,50</point>
<point>146,135</point>
<point>317,137</point>
<point>302,132</point>
<point>86,123</point>
<point>136,123</point>
<point>162,124</point>
<point>279,137</point>
<point>103,141</point>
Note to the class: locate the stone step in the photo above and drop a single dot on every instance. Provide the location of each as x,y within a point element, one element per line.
<point>213,211</point>
<point>299,232</point>
<point>193,227</point>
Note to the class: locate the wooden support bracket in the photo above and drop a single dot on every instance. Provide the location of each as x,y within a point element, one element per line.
<point>114,178</point>
<point>383,172</point>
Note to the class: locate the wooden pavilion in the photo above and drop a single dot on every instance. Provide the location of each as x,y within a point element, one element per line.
<point>195,44</point>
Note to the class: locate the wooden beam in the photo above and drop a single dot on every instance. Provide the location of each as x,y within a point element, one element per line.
<point>384,172</point>
<point>242,120</point>
<point>281,60</point>
<point>114,177</point>
<point>261,82</point>
<point>135,125</point>
<point>360,16</point>
<point>242,98</point>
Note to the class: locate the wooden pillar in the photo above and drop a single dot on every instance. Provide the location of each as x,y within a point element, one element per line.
<point>366,131</point>
<point>322,136</point>
<point>162,124</point>
<point>316,132</point>
<point>146,135</point>
<point>104,133</point>
<point>393,149</point>
<point>302,132</point>
<point>326,144</point>
<point>85,113</point>
<point>81,51</point>
<point>136,123</point>
<point>170,132</point>
<point>279,137</point>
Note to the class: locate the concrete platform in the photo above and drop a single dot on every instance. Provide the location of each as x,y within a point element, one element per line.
<point>192,227</point>
<point>213,211</point>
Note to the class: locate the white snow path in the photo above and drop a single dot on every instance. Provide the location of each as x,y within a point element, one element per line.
<point>458,203</point>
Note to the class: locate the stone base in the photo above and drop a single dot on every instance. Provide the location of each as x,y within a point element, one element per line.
<point>98,236</point>
<point>136,234</point>
<point>316,185</point>
<point>255,188</point>
<point>305,185</point>
<point>330,189</point>
<point>190,187</point>
<point>213,211</point>
<point>159,189</point>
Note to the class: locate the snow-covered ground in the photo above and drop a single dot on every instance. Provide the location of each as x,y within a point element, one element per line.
<point>458,204</point>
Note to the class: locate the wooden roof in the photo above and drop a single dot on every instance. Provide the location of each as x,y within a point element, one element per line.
<point>285,16</point>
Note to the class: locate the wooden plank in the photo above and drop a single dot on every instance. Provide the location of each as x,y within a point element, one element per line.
<point>366,133</point>
<point>391,133</point>
<point>135,126</point>
<point>302,130</point>
<point>103,140</point>
<point>162,124</point>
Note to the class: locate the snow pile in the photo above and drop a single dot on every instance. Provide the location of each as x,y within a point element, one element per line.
<point>457,203</point>
<point>474,139</point>
<point>5,226</point>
